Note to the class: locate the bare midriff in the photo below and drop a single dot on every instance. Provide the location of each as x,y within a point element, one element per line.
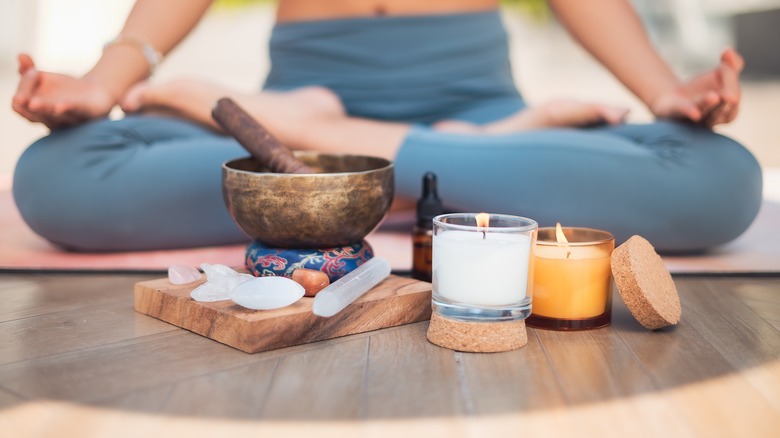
<point>308,10</point>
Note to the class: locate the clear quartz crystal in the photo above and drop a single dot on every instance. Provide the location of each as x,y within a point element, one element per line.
<point>220,281</point>
<point>183,274</point>
<point>265,293</point>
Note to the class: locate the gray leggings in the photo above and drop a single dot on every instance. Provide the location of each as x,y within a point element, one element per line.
<point>152,182</point>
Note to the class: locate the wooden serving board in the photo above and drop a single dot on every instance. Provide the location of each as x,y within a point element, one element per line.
<point>394,301</point>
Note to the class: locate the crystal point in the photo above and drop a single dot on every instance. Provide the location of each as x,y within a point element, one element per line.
<point>183,274</point>
<point>220,281</point>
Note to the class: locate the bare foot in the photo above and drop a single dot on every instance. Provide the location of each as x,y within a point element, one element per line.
<point>559,113</point>
<point>282,113</point>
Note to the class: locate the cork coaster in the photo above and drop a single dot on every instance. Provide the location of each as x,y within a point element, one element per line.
<point>477,337</point>
<point>645,284</point>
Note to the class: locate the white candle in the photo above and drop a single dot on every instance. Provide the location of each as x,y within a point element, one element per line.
<point>489,271</point>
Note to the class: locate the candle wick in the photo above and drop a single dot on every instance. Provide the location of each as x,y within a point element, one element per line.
<point>568,254</point>
<point>484,235</point>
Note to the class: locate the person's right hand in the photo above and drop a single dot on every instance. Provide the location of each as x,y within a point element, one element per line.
<point>58,100</point>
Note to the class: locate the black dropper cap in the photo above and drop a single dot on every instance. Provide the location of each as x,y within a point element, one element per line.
<point>429,205</point>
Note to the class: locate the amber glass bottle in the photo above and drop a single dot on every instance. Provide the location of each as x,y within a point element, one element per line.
<point>428,207</point>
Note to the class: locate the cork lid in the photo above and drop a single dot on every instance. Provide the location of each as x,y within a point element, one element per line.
<point>645,284</point>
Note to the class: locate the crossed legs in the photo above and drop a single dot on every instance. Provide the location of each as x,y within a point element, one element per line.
<point>313,117</point>
<point>150,182</point>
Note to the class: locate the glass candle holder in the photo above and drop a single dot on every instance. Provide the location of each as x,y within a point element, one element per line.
<point>481,273</point>
<point>572,281</point>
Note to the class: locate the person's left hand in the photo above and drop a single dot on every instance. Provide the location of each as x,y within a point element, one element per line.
<point>709,99</point>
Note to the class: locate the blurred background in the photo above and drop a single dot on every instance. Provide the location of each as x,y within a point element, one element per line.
<point>229,47</point>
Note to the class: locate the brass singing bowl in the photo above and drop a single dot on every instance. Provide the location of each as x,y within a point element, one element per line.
<point>339,205</point>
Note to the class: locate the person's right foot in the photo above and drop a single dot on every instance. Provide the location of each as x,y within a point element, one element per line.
<point>555,114</point>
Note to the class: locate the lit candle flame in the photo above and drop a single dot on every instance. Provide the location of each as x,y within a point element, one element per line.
<point>483,221</point>
<point>561,238</point>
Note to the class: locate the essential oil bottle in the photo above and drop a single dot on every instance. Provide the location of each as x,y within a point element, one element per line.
<point>428,207</point>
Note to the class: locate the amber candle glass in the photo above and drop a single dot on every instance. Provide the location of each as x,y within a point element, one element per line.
<point>572,282</point>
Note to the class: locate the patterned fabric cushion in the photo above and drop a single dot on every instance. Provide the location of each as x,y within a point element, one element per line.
<point>262,260</point>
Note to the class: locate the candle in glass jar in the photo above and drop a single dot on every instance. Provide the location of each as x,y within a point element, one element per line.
<point>572,279</point>
<point>480,261</point>
<point>485,271</point>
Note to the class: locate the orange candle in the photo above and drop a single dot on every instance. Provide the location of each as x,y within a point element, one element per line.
<point>572,279</point>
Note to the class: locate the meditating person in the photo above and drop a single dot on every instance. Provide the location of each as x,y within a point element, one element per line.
<point>426,84</point>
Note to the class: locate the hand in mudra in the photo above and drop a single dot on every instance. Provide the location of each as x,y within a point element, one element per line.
<point>58,100</point>
<point>710,99</point>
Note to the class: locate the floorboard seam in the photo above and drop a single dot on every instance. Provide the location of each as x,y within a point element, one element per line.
<point>463,385</point>
<point>550,364</point>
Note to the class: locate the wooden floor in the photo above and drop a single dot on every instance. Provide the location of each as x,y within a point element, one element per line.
<point>76,359</point>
